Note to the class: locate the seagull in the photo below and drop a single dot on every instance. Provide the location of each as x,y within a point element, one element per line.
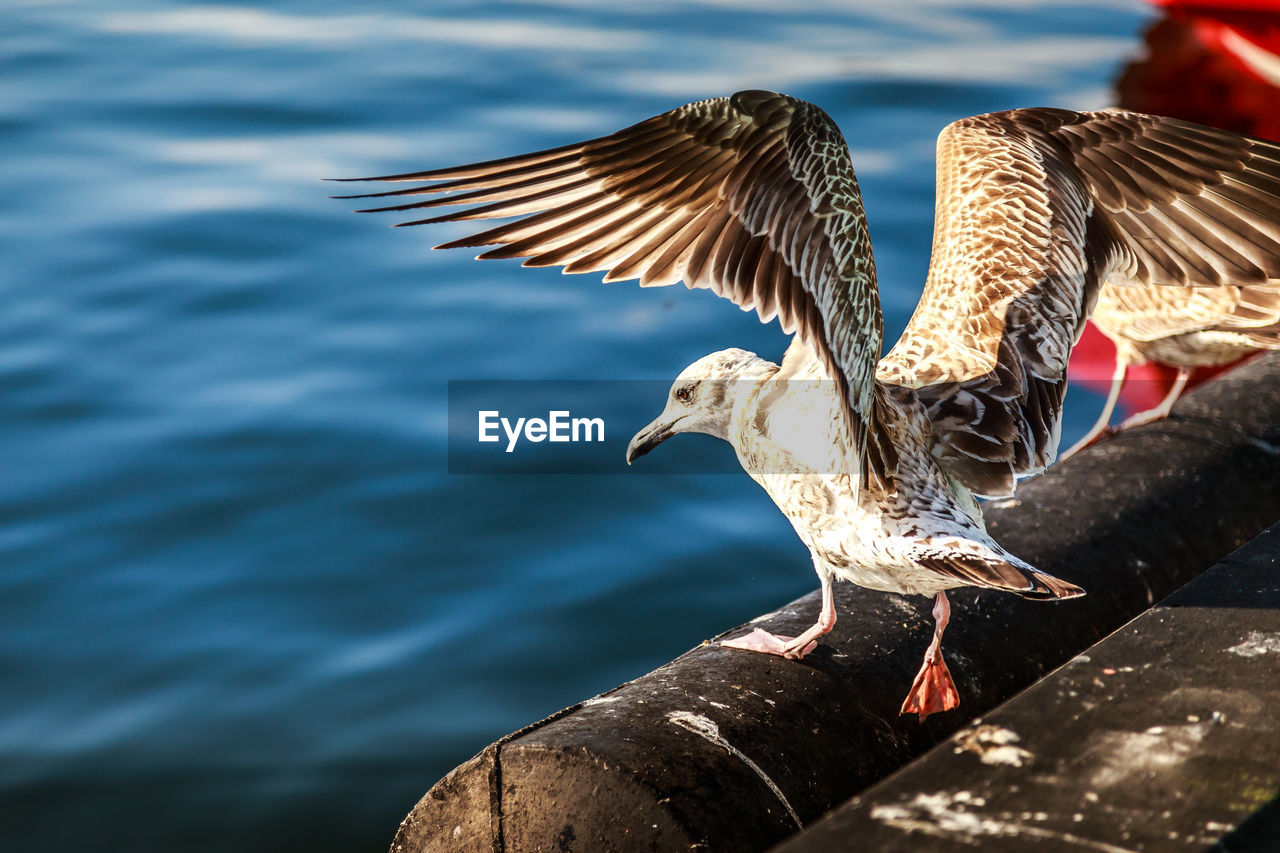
<point>1183,327</point>
<point>878,462</point>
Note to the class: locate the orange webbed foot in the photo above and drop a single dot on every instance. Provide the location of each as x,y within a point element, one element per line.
<point>932,692</point>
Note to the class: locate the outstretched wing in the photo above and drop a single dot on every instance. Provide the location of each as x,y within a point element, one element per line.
<point>752,196</point>
<point>1036,208</point>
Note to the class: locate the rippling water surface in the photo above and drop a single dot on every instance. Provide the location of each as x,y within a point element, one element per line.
<point>243,604</point>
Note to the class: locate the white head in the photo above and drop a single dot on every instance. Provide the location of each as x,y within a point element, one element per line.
<point>704,397</point>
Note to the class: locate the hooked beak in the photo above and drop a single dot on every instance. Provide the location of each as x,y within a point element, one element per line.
<point>650,437</point>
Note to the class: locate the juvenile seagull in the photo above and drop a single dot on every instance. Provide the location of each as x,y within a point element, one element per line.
<point>754,197</point>
<point>1184,327</point>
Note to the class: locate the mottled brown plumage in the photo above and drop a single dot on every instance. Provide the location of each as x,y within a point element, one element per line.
<point>754,197</point>
<point>1189,326</point>
<point>1182,327</point>
<point>1035,208</point>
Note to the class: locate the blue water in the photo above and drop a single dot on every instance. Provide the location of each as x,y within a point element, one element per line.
<point>243,604</point>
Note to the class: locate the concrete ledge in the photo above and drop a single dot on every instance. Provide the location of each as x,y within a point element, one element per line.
<point>1162,737</point>
<point>725,750</point>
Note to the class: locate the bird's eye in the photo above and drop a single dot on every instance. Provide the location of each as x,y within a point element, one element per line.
<point>684,394</point>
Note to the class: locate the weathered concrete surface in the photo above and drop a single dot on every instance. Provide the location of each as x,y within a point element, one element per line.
<point>1165,736</point>
<point>728,750</point>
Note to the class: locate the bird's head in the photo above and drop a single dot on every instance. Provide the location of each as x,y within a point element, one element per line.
<point>704,397</point>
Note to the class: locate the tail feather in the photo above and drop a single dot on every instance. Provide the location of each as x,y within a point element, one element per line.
<point>1049,588</point>
<point>995,573</point>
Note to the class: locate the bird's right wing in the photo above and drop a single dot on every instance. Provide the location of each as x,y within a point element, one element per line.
<point>1035,209</point>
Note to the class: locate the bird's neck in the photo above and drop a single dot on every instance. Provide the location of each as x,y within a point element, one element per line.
<point>742,391</point>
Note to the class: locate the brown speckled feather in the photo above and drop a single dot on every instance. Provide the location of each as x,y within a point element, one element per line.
<point>1189,326</point>
<point>1035,208</point>
<point>752,196</point>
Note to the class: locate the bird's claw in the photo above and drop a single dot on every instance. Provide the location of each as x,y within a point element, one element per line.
<point>770,644</point>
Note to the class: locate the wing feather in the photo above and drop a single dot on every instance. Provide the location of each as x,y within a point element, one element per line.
<point>751,196</point>
<point>754,197</point>
<point>990,573</point>
<point>1036,209</point>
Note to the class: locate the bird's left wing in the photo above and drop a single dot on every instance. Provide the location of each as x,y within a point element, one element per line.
<point>1035,209</point>
<point>752,196</point>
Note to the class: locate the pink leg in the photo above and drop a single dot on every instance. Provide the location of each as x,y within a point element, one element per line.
<point>792,648</point>
<point>1103,423</point>
<point>1162,410</point>
<point>933,691</point>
